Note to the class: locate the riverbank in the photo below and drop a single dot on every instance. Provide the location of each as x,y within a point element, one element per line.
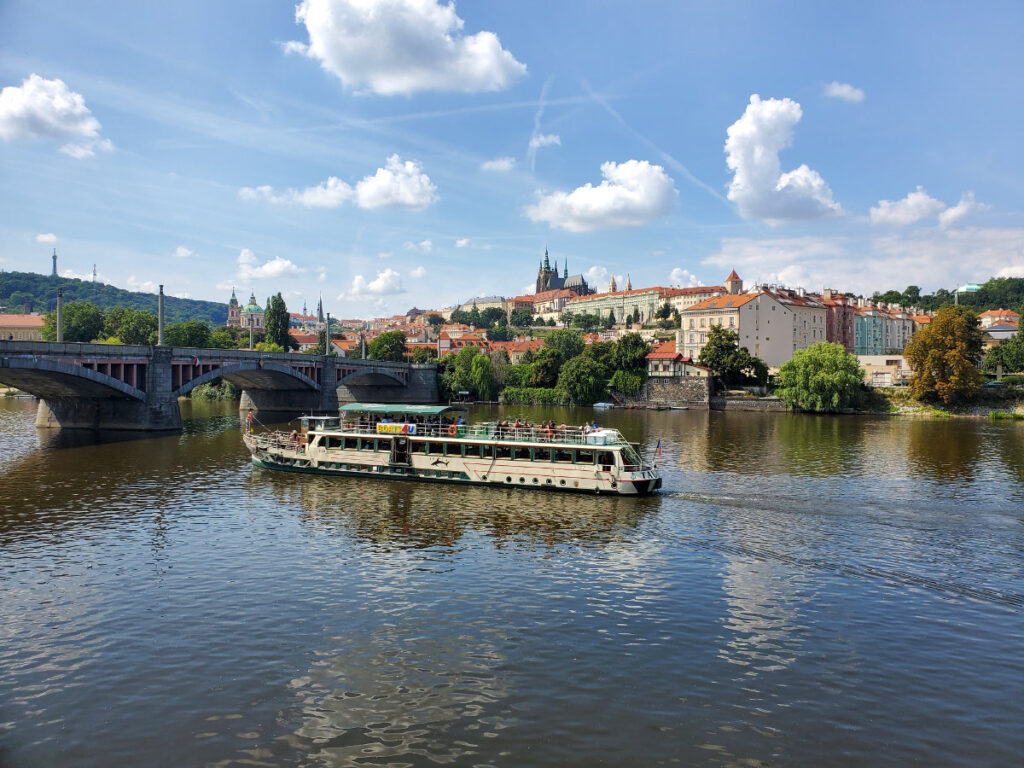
<point>989,403</point>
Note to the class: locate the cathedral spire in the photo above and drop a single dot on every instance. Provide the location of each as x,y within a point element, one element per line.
<point>629,285</point>
<point>547,264</point>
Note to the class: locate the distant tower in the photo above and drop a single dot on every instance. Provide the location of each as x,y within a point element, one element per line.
<point>629,284</point>
<point>733,284</point>
<point>304,312</point>
<point>612,287</point>
<point>94,273</point>
<point>234,311</point>
<point>565,269</point>
<point>320,309</point>
<point>54,273</point>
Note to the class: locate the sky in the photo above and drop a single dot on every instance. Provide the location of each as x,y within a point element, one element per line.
<point>386,154</point>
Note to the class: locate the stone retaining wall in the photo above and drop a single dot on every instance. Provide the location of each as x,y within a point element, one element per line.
<point>689,391</point>
<point>747,404</point>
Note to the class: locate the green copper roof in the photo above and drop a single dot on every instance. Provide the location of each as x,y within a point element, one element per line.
<point>252,308</point>
<point>407,410</point>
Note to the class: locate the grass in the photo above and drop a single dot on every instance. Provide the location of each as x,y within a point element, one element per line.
<point>1005,416</point>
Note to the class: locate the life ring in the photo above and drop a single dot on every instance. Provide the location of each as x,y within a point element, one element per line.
<point>453,431</point>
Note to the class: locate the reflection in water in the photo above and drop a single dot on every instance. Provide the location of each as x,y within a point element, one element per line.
<point>945,451</point>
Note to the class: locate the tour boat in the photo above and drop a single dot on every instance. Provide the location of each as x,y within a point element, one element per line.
<point>432,443</point>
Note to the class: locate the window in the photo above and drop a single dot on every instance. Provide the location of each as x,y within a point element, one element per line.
<point>502,452</point>
<point>702,322</point>
<point>521,453</point>
<point>367,444</point>
<point>584,457</point>
<point>542,454</point>
<point>732,322</point>
<point>417,447</point>
<point>435,449</point>
<point>486,451</point>
<point>691,322</point>
<point>563,456</point>
<point>351,443</point>
<point>334,442</point>
<point>606,458</point>
<point>692,334</point>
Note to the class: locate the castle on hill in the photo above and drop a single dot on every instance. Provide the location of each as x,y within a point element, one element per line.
<point>549,280</point>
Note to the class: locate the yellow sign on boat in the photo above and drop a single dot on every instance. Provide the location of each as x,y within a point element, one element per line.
<point>396,429</point>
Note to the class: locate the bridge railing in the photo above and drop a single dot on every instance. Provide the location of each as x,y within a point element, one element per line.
<point>73,349</point>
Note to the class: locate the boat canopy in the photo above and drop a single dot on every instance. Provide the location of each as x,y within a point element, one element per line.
<point>394,409</point>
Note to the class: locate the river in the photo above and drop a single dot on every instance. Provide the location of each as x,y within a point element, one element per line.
<point>805,591</point>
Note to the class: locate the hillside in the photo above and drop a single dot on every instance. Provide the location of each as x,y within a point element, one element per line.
<point>31,292</point>
<point>996,293</point>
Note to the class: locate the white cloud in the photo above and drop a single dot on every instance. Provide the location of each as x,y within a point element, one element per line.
<point>914,207</point>
<point>462,242</point>
<point>144,286</point>
<point>426,246</point>
<point>249,267</point>
<point>528,290</point>
<point>1017,270</point>
<point>499,164</point>
<point>418,272</point>
<point>632,194</point>
<point>759,187</point>
<point>48,237</point>
<point>928,257</point>
<point>844,92</point>
<point>683,277</point>
<point>386,282</point>
<point>596,276</point>
<point>965,207</point>
<point>181,252</point>
<point>402,46</point>
<point>42,108</point>
<point>545,140</point>
<point>321,275</point>
<point>398,185</point>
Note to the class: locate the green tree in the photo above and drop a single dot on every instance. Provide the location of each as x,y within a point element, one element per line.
<point>1009,354</point>
<point>500,333</point>
<point>943,356</point>
<point>268,346</point>
<point>583,380</point>
<point>568,343</point>
<point>83,321</point>
<point>482,376</point>
<point>461,317</point>
<point>389,345</point>
<point>631,353</point>
<point>222,338</point>
<point>132,326</point>
<point>192,333</point>
<point>492,316</point>
<point>424,355</point>
<point>474,317</point>
<point>611,319</point>
<point>547,364</point>
<point>730,362</point>
<point>551,322</point>
<point>628,383</point>
<point>275,322</point>
<point>435,319</point>
<point>664,311</point>
<point>602,353</point>
<point>521,318</point>
<point>824,378</point>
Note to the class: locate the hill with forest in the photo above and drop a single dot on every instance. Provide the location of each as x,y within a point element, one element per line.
<point>31,292</point>
<point>995,293</point>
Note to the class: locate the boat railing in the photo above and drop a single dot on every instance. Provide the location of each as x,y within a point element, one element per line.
<point>494,431</point>
<point>276,439</point>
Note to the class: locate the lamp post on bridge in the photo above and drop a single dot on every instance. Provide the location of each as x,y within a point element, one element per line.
<point>60,310</point>
<point>160,317</point>
<point>327,337</point>
<point>250,330</point>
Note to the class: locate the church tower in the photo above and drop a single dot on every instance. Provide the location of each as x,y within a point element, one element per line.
<point>629,285</point>
<point>733,284</point>
<point>234,312</point>
<point>612,287</point>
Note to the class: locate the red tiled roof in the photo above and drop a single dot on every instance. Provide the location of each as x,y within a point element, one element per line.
<point>732,276</point>
<point>22,321</point>
<point>728,301</point>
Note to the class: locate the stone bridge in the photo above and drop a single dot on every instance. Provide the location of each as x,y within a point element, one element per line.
<point>107,386</point>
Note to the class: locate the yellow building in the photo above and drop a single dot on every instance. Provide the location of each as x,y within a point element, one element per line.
<point>21,327</point>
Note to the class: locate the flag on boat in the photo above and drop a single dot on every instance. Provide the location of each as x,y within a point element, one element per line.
<point>659,447</point>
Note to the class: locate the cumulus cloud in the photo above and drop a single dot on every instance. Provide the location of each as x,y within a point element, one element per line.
<point>844,92</point>
<point>462,242</point>
<point>402,46</point>
<point>385,283</point>
<point>965,207</point>
<point>249,267</point>
<point>418,272</point>
<point>545,140</point>
<point>397,185</point>
<point>48,109</point>
<point>683,277</point>
<point>1017,270</point>
<point>759,187</point>
<point>632,194</point>
<point>597,277</point>
<point>48,237</point>
<point>499,164</point>
<point>144,286</point>
<point>181,252</point>
<point>914,207</point>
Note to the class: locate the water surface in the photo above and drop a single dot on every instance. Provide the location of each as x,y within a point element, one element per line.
<point>805,591</point>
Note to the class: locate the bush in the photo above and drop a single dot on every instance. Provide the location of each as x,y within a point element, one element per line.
<point>533,396</point>
<point>216,390</point>
<point>1013,378</point>
<point>823,378</point>
<point>518,375</point>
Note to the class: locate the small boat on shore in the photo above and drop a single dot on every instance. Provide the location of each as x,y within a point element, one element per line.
<point>434,444</point>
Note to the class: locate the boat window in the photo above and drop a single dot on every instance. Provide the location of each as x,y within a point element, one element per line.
<point>367,444</point>
<point>521,454</point>
<point>563,455</point>
<point>486,451</point>
<point>542,454</point>
<point>584,457</point>
<point>334,442</point>
<point>607,458</point>
<point>502,451</point>
<point>435,449</point>
<point>417,447</point>
<point>352,443</point>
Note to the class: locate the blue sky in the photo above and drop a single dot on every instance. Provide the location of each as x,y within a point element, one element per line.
<point>391,153</point>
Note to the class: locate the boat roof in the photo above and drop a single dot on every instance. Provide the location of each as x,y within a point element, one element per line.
<point>393,408</point>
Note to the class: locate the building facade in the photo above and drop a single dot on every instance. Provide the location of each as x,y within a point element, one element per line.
<point>21,327</point>
<point>252,314</point>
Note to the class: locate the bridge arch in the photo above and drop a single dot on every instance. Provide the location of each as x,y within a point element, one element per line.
<point>373,377</point>
<point>54,380</point>
<point>262,374</point>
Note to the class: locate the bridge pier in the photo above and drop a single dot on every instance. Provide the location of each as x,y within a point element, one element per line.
<point>102,413</point>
